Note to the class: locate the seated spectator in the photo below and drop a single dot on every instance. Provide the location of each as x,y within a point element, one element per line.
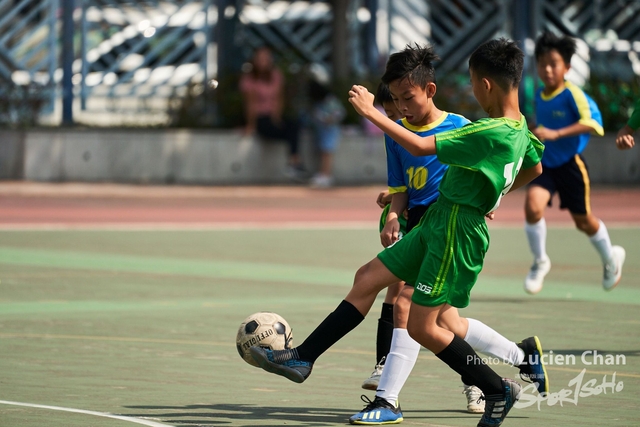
<point>263,89</point>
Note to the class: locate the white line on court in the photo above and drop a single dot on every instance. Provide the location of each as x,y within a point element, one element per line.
<point>82,411</point>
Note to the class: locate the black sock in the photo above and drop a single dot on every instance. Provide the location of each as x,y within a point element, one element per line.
<point>385,331</point>
<point>461,358</point>
<point>337,324</point>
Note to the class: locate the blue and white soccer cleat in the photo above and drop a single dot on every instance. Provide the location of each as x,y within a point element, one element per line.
<point>532,368</point>
<point>377,412</point>
<point>282,362</point>
<point>497,407</point>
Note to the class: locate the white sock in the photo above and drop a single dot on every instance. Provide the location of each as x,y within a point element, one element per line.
<point>485,340</point>
<point>400,361</point>
<point>537,237</point>
<point>602,243</point>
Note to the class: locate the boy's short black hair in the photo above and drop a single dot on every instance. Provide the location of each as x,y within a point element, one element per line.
<point>499,59</point>
<point>414,63</point>
<point>548,41</point>
<point>383,94</point>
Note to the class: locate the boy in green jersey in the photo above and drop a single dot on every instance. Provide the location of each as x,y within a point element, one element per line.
<point>444,253</point>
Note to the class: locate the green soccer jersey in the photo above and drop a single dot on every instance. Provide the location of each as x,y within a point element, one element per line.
<point>484,158</point>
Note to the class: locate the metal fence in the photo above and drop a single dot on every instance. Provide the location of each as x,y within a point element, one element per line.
<point>135,55</point>
<point>131,58</point>
<point>28,59</point>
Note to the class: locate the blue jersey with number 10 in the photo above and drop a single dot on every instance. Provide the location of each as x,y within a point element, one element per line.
<point>420,176</point>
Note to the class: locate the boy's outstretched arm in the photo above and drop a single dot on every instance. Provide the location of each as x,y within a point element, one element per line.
<point>362,101</point>
<point>546,134</point>
<point>525,176</point>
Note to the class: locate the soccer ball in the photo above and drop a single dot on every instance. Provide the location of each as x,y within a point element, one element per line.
<point>263,329</point>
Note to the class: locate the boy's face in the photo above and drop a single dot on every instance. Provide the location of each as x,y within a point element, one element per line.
<point>551,69</point>
<point>391,111</point>
<point>413,102</point>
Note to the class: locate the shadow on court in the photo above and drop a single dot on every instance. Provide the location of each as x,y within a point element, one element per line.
<point>220,414</point>
<point>226,413</point>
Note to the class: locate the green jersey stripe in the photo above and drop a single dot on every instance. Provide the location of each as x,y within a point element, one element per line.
<point>469,129</point>
<point>448,255</point>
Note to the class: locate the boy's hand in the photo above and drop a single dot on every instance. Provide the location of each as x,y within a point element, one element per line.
<point>545,134</point>
<point>624,139</point>
<point>384,198</point>
<point>490,215</point>
<point>390,232</point>
<point>362,100</point>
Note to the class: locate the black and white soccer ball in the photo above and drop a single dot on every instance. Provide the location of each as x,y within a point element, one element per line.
<point>263,329</point>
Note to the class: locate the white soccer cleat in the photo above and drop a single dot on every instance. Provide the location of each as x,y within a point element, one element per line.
<point>372,382</point>
<point>321,181</point>
<point>613,269</point>
<point>475,399</point>
<point>534,280</point>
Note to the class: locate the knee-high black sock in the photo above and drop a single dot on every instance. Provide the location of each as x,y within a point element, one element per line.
<point>461,358</point>
<point>385,331</point>
<point>337,324</point>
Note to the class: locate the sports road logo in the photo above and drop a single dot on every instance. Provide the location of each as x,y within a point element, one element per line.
<point>578,388</point>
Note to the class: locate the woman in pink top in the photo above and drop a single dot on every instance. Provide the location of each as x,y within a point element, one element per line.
<point>262,89</point>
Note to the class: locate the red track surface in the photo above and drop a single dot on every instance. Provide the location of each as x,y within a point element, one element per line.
<point>37,204</point>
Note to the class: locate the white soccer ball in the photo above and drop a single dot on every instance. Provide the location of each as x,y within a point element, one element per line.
<point>263,329</point>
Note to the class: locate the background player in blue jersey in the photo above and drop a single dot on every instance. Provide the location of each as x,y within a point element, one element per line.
<point>566,117</point>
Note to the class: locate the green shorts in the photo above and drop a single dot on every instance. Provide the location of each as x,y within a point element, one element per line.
<point>443,255</point>
<point>401,220</point>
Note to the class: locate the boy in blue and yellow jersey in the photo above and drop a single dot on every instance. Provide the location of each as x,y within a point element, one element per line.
<point>444,253</point>
<point>566,117</point>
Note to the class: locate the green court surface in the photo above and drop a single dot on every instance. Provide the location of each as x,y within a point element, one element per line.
<point>125,328</point>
